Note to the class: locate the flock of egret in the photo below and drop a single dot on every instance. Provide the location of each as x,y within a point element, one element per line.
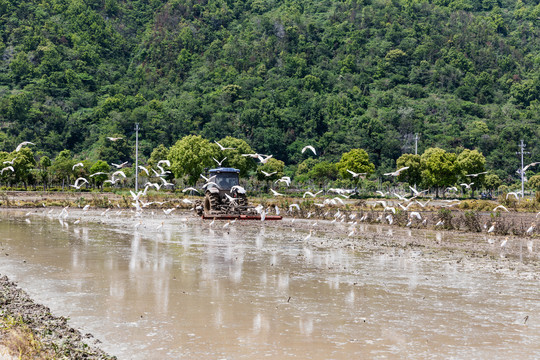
<point>405,202</point>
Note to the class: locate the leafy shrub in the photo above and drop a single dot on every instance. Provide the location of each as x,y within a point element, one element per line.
<point>471,221</point>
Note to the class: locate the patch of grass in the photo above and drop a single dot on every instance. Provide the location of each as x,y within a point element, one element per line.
<point>19,340</point>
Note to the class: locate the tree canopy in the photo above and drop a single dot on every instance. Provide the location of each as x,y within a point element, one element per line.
<point>338,75</point>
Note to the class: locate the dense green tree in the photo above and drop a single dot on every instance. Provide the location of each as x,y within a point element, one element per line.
<point>62,167</point>
<point>97,167</point>
<point>44,165</point>
<point>190,156</point>
<point>234,157</point>
<point>471,162</point>
<point>439,168</point>
<point>271,166</point>
<point>323,172</point>
<point>412,175</point>
<point>301,174</point>
<point>23,164</point>
<point>339,75</point>
<point>356,160</point>
<point>534,182</point>
<point>492,182</point>
<point>159,153</point>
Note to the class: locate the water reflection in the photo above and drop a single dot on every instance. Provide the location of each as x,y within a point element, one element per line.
<point>194,291</point>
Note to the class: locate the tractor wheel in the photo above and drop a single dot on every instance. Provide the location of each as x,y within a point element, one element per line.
<point>211,202</point>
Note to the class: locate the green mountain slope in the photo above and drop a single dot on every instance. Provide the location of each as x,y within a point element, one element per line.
<point>279,74</point>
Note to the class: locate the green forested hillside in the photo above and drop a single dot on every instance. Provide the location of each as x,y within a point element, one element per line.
<point>278,74</point>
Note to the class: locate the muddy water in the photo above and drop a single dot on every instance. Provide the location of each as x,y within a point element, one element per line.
<point>190,291</point>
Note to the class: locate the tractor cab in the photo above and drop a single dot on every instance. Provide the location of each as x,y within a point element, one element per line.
<point>224,178</point>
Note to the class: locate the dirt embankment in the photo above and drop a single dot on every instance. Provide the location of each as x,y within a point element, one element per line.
<point>29,330</point>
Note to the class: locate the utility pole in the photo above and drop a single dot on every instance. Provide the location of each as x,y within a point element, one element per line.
<point>136,157</point>
<point>521,152</point>
<point>415,144</point>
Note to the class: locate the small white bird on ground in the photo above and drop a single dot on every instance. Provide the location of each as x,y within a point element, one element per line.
<point>309,147</point>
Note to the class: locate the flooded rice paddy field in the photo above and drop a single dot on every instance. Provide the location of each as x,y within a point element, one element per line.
<point>177,287</point>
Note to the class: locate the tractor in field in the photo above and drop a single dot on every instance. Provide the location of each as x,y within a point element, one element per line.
<point>224,198</point>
